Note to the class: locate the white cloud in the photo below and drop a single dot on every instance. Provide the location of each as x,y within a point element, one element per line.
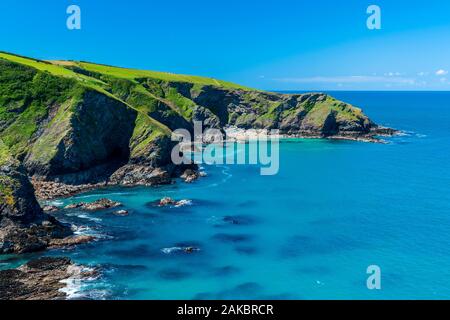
<point>350,79</point>
<point>441,72</point>
<point>423,74</point>
<point>392,74</point>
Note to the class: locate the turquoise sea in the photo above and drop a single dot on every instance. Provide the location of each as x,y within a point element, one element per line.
<point>308,232</point>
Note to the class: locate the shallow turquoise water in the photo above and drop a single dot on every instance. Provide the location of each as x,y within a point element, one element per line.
<point>308,232</point>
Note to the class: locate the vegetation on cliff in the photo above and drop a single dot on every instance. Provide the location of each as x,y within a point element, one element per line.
<point>61,118</point>
<point>76,123</point>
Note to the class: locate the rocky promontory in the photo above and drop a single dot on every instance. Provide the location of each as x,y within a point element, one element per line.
<point>104,126</point>
<point>75,126</point>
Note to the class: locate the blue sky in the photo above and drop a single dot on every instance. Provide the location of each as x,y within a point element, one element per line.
<point>266,44</point>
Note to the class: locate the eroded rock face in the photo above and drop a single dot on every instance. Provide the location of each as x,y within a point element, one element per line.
<point>40,279</point>
<point>134,175</point>
<point>88,140</point>
<point>18,203</point>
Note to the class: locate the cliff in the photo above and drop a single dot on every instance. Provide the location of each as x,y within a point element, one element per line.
<point>23,225</point>
<point>71,126</point>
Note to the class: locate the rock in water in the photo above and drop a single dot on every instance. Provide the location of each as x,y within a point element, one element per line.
<point>101,204</point>
<point>190,175</point>
<point>24,227</point>
<point>121,213</point>
<point>40,279</point>
<point>75,205</point>
<point>166,201</point>
<point>50,208</point>
<point>70,241</point>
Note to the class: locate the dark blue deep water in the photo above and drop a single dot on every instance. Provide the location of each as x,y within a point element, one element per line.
<point>309,232</point>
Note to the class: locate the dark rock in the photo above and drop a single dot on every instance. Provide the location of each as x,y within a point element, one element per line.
<point>167,201</point>
<point>134,175</point>
<point>121,213</point>
<point>75,205</point>
<point>40,279</point>
<point>101,204</point>
<point>24,227</point>
<point>190,175</point>
<point>70,241</point>
<point>240,220</point>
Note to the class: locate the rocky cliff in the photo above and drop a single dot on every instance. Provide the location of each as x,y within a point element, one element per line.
<point>23,225</point>
<point>71,126</point>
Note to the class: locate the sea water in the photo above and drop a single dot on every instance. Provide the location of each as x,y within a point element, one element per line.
<point>309,232</point>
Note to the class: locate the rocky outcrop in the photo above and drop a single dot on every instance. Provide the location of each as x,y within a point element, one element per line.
<point>169,202</point>
<point>101,204</point>
<point>24,227</point>
<point>41,279</point>
<point>299,115</point>
<point>86,141</point>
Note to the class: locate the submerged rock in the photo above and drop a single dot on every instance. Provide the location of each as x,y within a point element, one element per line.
<point>187,250</point>
<point>121,213</point>
<point>71,241</point>
<point>41,279</point>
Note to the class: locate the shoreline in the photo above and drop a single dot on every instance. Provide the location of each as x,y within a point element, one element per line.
<point>45,278</point>
<point>51,190</point>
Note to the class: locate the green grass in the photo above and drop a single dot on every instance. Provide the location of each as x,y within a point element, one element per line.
<point>46,147</point>
<point>26,98</point>
<point>145,132</point>
<point>51,68</point>
<point>133,74</point>
<point>5,156</point>
<point>6,183</point>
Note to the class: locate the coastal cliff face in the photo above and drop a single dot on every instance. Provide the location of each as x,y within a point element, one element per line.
<point>71,126</point>
<point>24,227</point>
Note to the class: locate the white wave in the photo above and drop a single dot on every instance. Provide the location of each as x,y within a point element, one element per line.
<point>56,203</point>
<point>178,249</point>
<point>170,250</point>
<point>85,216</point>
<point>183,203</point>
<point>76,284</point>
<point>87,231</point>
